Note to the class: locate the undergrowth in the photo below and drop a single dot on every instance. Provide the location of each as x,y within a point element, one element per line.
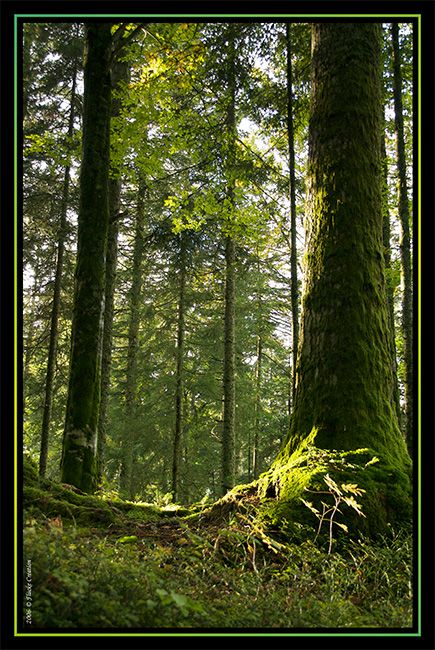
<point>144,567</point>
<point>170,575</point>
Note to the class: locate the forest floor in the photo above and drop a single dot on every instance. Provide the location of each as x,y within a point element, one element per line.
<point>100,563</point>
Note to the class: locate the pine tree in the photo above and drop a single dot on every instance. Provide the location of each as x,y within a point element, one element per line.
<point>120,76</point>
<point>79,453</point>
<point>345,380</point>
<point>229,396</point>
<point>293,251</point>
<point>55,309</point>
<point>345,384</point>
<point>405,241</point>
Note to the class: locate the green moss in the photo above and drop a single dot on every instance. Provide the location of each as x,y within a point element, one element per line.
<point>386,500</point>
<point>79,464</point>
<point>40,500</point>
<point>30,470</point>
<point>51,499</point>
<point>345,381</point>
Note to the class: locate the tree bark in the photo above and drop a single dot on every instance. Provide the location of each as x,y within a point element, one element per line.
<point>120,76</point>
<point>55,308</point>
<point>386,237</point>
<point>29,339</point>
<point>27,67</point>
<point>405,240</point>
<point>293,251</point>
<point>179,367</point>
<point>345,381</point>
<point>130,396</point>
<point>229,389</point>
<point>78,465</point>
<point>258,376</point>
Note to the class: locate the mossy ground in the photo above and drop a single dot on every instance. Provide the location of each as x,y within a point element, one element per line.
<point>108,563</point>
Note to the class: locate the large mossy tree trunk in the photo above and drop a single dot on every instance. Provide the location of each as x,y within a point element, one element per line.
<point>405,239</point>
<point>345,381</point>
<point>78,465</point>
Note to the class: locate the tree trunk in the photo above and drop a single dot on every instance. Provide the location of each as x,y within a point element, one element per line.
<point>228,430</point>
<point>258,374</point>
<point>109,293</point>
<point>344,398</point>
<point>120,75</point>
<point>27,67</point>
<point>129,441</point>
<point>405,241</point>
<point>179,367</point>
<point>29,338</point>
<point>78,465</point>
<point>229,389</point>
<point>345,381</point>
<point>293,252</point>
<point>386,235</point>
<point>55,308</point>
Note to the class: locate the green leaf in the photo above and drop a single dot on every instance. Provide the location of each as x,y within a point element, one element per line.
<point>179,599</point>
<point>128,539</point>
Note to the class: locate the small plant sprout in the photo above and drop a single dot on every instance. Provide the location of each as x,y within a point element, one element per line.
<point>345,494</point>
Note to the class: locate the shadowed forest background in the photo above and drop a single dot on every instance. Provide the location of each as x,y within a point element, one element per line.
<point>217,325</point>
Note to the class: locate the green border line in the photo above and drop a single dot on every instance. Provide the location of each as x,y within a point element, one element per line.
<point>419,297</point>
<point>17,634</point>
<point>216,16</point>
<point>15,254</point>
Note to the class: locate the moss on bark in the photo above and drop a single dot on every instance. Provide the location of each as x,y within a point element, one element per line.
<point>53,499</point>
<point>301,475</point>
<point>79,465</point>
<point>345,384</point>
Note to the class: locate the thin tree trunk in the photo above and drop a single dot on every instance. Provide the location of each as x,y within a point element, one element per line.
<point>229,390</point>
<point>78,465</point>
<point>179,367</point>
<point>258,377</point>
<point>55,308</point>
<point>120,75</point>
<point>27,66</point>
<point>129,441</point>
<point>186,456</point>
<point>228,430</point>
<point>109,291</point>
<point>258,373</point>
<point>29,340</point>
<point>293,252</point>
<point>386,236</point>
<point>405,241</point>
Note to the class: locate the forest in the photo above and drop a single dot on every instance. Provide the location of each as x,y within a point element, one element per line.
<point>217,255</point>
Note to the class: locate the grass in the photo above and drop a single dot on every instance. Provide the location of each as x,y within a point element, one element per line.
<point>166,573</point>
<point>101,562</point>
